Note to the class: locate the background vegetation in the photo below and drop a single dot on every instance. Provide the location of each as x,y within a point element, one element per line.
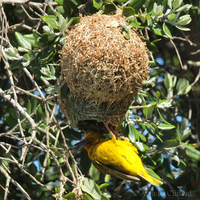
<point>37,157</point>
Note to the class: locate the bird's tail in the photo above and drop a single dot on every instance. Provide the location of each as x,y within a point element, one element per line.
<point>155,181</point>
<point>151,179</point>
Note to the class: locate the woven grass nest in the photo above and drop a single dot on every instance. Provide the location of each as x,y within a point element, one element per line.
<point>102,69</point>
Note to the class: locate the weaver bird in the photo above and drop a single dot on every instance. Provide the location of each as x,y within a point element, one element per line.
<point>116,157</point>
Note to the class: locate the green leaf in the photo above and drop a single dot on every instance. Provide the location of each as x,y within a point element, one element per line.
<point>70,196</point>
<point>184,124</point>
<point>34,104</point>
<point>183,86</point>
<point>50,20</point>
<point>52,173</point>
<point>28,107</point>
<point>148,111</point>
<point>186,133</point>
<point>169,3</point>
<point>176,161</point>
<point>120,1</point>
<point>12,53</point>
<point>10,117</point>
<point>163,104</point>
<point>59,2</point>
<point>128,11</point>
<point>62,22</point>
<point>64,91</point>
<point>87,197</point>
<point>185,178</point>
<point>184,20</point>
<point>70,7</point>
<point>94,173</point>
<point>32,38</point>
<point>32,168</point>
<point>43,40</point>
<point>192,152</point>
<point>163,126</point>
<point>184,8</point>
<point>167,169</point>
<point>182,28</point>
<point>104,197</point>
<point>52,89</point>
<point>22,41</point>
<point>171,17</point>
<point>138,99</point>
<point>85,162</point>
<point>16,64</point>
<point>146,148</point>
<point>151,46</point>
<point>97,4</point>
<point>142,137</point>
<point>36,67</point>
<point>157,95</point>
<point>134,134</point>
<point>152,173</point>
<point>109,8</point>
<point>40,113</point>
<point>142,17</point>
<point>158,9</point>
<point>48,29</point>
<point>48,72</point>
<point>60,9</point>
<point>168,81</point>
<point>46,54</point>
<point>171,143</point>
<point>140,146</point>
<point>104,185</point>
<point>157,29</point>
<point>135,23</point>
<point>26,59</point>
<point>90,187</point>
<point>177,3</point>
<point>107,178</point>
<point>137,4</point>
<point>167,31</point>
<point>75,20</point>
<point>163,118</point>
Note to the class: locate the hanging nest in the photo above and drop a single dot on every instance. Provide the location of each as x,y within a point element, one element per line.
<point>102,69</point>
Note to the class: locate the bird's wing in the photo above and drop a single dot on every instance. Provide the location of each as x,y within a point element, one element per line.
<point>108,170</point>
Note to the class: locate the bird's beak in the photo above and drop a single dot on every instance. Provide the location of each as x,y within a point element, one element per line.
<point>81,143</point>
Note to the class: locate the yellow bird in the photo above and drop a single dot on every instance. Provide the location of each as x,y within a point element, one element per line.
<point>116,157</point>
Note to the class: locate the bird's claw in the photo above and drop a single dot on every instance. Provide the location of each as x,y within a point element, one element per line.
<point>114,133</point>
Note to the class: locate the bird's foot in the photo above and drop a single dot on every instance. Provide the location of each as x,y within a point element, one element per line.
<point>112,132</point>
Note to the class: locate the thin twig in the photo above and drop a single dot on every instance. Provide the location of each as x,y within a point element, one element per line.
<point>196,79</point>
<point>7,188</point>
<point>31,18</point>
<point>16,101</point>
<point>28,2</point>
<point>177,53</point>
<point>22,111</point>
<point>33,82</point>
<point>47,155</point>
<point>15,183</point>
<point>23,170</point>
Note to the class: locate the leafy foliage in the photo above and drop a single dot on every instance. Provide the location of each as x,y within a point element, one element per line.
<point>38,160</point>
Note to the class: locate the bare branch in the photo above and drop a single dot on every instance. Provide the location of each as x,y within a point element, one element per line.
<point>177,53</point>
<point>21,2</point>
<point>3,171</point>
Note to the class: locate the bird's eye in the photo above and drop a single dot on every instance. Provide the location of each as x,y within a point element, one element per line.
<point>88,140</point>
